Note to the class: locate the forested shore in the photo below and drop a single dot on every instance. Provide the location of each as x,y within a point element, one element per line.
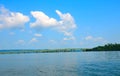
<point>107,47</point>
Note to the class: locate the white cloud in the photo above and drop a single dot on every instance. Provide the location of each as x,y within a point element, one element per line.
<point>22,30</point>
<point>21,42</point>
<point>99,39</point>
<point>65,25</point>
<point>68,34</point>
<point>10,19</point>
<point>33,40</point>
<point>52,41</point>
<point>69,38</point>
<point>95,39</point>
<point>92,41</point>
<point>88,38</point>
<point>38,35</point>
<point>12,33</point>
<point>42,20</point>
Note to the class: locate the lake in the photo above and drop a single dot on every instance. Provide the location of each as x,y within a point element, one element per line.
<point>61,64</point>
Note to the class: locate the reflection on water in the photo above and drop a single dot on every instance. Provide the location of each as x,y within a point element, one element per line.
<point>61,64</point>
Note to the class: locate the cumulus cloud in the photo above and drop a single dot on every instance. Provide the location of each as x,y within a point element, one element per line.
<point>10,19</point>
<point>92,41</point>
<point>95,39</point>
<point>21,42</point>
<point>89,38</point>
<point>65,25</point>
<point>38,35</point>
<point>52,41</point>
<point>12,33</point>
<point>69,38</point>
<point>33,40</point>
<point>42,20</point>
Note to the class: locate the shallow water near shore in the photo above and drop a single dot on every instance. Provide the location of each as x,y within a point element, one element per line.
<point>61,64</point>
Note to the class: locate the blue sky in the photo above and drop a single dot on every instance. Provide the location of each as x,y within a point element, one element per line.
<point>44,24</point>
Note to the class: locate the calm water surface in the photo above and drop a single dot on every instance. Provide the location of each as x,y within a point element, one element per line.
<point>61,64</point>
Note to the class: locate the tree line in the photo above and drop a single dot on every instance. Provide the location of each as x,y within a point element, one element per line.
<point>107,47</point>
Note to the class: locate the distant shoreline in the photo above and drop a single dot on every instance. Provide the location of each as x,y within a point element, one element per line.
<point>107,47</point>
<point>38,51</point>
<point>48,52</point>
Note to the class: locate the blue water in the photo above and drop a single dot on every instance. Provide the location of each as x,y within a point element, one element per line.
<point>61,64</point>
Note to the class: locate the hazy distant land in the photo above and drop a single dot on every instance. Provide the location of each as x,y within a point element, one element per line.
<point>107,47</point>
<point>39,51</point>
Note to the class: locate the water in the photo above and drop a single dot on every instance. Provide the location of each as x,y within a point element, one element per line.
<point>61,64</point>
